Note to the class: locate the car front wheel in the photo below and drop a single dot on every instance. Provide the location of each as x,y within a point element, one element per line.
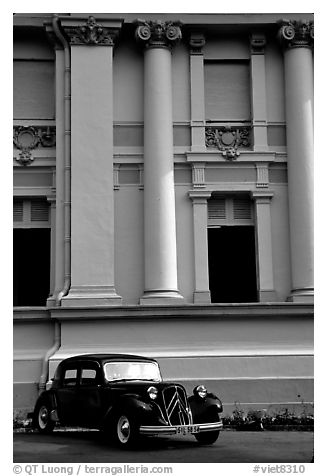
<point>207,437</point>
<point>42,420</point>
<point>125,430</point>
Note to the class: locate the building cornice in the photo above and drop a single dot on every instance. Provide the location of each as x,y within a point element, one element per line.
<point>208,22</point>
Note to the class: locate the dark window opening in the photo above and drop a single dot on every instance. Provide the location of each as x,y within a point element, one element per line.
<point>31,266</point>
<point>232,264</point>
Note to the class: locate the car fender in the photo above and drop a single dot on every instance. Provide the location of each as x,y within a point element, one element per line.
<point>133,405</point>
<point>206,409</point>
<point>47,395</point>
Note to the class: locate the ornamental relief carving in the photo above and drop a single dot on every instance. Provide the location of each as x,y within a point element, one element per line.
<point>91,33</point>
<point>158,33</point>
<point>197,42</point>
<point>295,34</point>
<point>27,138</point>
<point>258,43</point>
<point>228,139</point>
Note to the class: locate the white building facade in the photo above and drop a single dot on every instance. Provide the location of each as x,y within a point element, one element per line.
<point>163,199</point>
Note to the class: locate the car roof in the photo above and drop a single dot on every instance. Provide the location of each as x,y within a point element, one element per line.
<point>108,357</point>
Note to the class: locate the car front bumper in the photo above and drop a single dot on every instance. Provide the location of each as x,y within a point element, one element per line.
<point>180,429</point>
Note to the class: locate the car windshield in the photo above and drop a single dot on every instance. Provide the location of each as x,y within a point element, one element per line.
<point>132,371</point>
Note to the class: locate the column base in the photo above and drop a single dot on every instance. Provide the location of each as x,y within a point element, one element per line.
<point>161,297</point>
<point>302,295</point>
<point>51,301</point>
<point>202,297</point>
<point>267,296</point>
<point>81,296</point>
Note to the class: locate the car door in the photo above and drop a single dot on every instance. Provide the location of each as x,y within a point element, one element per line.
<point>88,401</point>
<point>67,393</point>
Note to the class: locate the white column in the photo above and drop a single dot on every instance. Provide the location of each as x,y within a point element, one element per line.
<point>200,232</point>
<point>92,201</point>
<point>265,271</point>
<point>258,89</point>
<point>161,285</point>
<point>297,38</point>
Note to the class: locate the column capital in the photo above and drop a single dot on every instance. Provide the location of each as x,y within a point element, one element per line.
<point>158,34</point>
<point>81,31</point>
<point>262,196</point>
<point>296,33</point>
<point>198,196</point>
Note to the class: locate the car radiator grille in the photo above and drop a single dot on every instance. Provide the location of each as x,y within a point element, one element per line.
<point>176,406</point>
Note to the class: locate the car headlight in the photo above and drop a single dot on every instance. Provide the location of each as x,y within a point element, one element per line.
<point>152,392</point>
<point>200,391</point>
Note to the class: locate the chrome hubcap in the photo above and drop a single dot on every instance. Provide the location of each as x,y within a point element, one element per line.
<point>123,429</point>
<point>43,417</point>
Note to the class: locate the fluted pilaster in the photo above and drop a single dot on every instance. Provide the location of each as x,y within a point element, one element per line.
<point>92,201</point>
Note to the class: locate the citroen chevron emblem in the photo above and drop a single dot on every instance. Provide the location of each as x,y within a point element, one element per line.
<point>176,407</point>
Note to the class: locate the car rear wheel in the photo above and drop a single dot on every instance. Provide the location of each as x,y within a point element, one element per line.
<point>42,420</point>
<point>207,437</point>
<point>125,430</point>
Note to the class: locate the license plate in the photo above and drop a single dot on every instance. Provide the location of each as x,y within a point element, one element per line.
<point>184,430</point>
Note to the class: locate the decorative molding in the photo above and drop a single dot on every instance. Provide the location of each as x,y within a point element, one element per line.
<point>199,196</point>
<point>25,157</point>
<point>198,177</point>
<point>228,139</point>
<point>91,33</point>
<point>197,42</point>
<point>262,176</point>
<point>27,138</point>
<point>158,34</point>
<point>258,43</point>
<point>262,197</point>
<point>54,181</point>
<point>296,33</point>
<point>116,176</point>
<point>141,176</point>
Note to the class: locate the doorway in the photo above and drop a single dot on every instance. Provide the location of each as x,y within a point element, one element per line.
<point>232,264</point>
<point>31,266</point>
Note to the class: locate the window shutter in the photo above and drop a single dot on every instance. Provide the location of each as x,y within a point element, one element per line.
<point>39,210</point>
<point>227,91</point>
<point>242,209</point>
<point>18,210</point>
<point>217,209</point>
<point>33,83</point>
<point>33,213</point>
<point>230,210</point>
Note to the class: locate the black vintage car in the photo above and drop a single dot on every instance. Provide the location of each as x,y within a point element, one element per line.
<point>125,396</point>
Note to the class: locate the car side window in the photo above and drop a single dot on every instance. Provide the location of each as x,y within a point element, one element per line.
<point>70,377</point>
<point>88,376</point>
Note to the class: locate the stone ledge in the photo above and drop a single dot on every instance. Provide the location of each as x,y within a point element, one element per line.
<point>186,311</point>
